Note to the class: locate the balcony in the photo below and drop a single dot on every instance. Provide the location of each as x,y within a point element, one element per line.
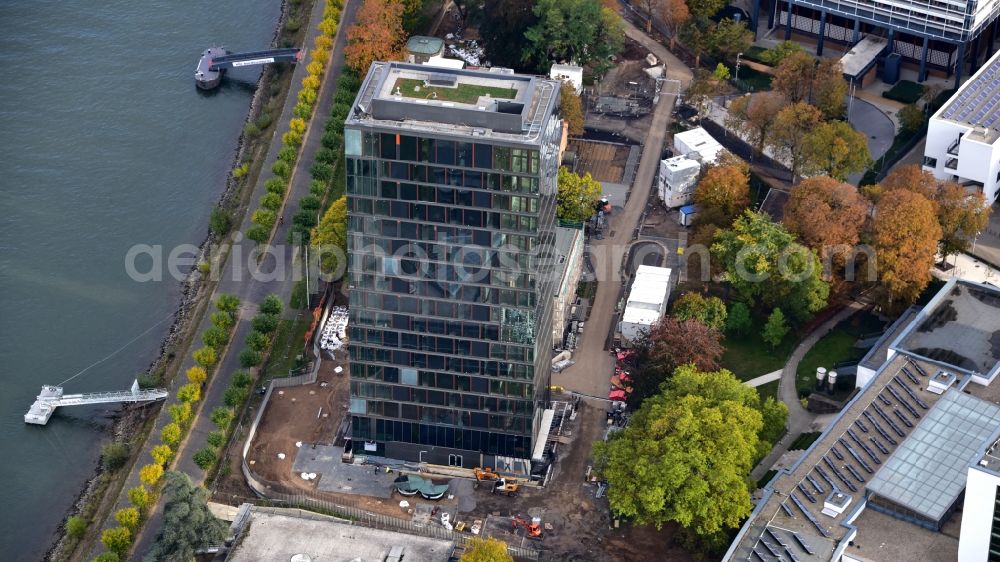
<point>951,163</point>
<point>953,148</point>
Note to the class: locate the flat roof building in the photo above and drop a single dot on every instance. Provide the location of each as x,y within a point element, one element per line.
<point>888,474</point>
<point>282,535</point>
<point>963,136</point>
<point>451,193</point>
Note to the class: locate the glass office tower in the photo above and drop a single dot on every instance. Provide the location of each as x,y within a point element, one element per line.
<point>451,190</point>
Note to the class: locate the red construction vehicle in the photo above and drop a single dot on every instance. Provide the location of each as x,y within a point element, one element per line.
<point>532,530</point>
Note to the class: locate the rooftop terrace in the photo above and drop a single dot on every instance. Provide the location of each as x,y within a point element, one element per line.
<point>977,102</point>
<point>459,101</point>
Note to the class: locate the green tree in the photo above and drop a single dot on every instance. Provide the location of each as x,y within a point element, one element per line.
<point>721,72</point>
<point>114,455</point>
<point>258,341</point>
<point>161,454</point>
<point>264,323</point>
<point>710,311</point>
<point>215,337</point>
<point>729,37</point>
<point>222,320</point>
<point>329,238</point>
<point>189,393</point>
<point>180,413</point>
<point>107,557</point>
<point>686,454</point>
<point>775,415</point>
<point>242,379</point>
<point>216,439</point>
<point>220,221</point>
<point>911,118</point>
<point>486,550</point>
<point>258,233</point>
<point>775,329</point>
<point>205,458</point>
<point>836,149</point>
<point>571,109</point>
<point>235,396</point>
<point>117,540</point>
<point>777,53</point>
<point>187,523</point>
<point>573,30</point>
<point>222,417</point>
<point>250,358</point>
<point>502,25</point>
<point>792,126</point>
<point>139,497</point>
<point>765,265</point>
<point>128,517</point>
<point>271,305</point>
<point>228,303</point>
<point>961,215</point>
<point>171,434</point>
<point>577,197</point>
<point>76,526</point>
<point>705,8</point>
<point>206,357</point>
<point>829,89</point>
<point>738,322</point>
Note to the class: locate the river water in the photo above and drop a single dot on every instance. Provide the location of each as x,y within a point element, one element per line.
<point>104,144</point>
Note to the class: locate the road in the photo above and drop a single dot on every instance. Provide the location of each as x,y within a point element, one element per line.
<point>242,277</point>
<point>594,365</point>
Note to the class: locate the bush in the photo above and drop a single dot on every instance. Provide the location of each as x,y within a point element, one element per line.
<point>117,540</point>
<point>251,130</point>
<point>128,517</point>
<point>297,125</point>
<point>180,413</point>
<point>161,454</point>
<point>271,304</point>
<point>291,138</point>
<point>222,417</point>
<point>905,91</point>
<point>114,455</point>
<point>76,526</point>
<point>220,222</point>
<point>215,337</point>
<point>281,168</point>
<point>264,217</point>
<point>106,557</point>
<point>264,121</point>
<point>235,396</point>
<point>258,341</point>
<point>277,186</point>
<point>242,379</point>
<point>206,357</point>
<point>139,497</point>
<point>222,320</point>
<point>250,358</point>
<point>311,82</point>
<point>307,95</point>
<point>288,154</point>
<point>189,393</point>
<point>171,434</point>
<point>216,439</point>
<point>315,67</point>
<point>317,188</point>
<point>151,474</point>
<point>911,119</point>
<point>303,110</point>
<point>258,233</point>
<point>265,323</point>
<point>205,458</point>
<point>241,170</point>
<point>228,303</point>
<point>738,321</point>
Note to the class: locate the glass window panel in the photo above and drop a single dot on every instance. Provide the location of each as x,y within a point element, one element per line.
<point>407,148</point>
<point>352,142</point>
<point>388,143</point>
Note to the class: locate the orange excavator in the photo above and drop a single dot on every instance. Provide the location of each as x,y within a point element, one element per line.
<point>500,484</point>
<point>531,529</point>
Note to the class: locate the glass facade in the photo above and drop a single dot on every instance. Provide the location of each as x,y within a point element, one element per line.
<point>449,249</point>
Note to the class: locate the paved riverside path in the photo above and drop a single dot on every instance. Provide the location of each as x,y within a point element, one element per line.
<point>236,276</point>
<point>799,419</point>
<point>594,366</point>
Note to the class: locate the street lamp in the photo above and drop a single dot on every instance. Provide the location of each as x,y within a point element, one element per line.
<point>736,77</point>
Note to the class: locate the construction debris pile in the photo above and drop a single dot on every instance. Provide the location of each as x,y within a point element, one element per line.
<point>335,330</point>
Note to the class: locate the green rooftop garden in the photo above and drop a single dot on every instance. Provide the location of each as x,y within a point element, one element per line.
<point>463,93</point>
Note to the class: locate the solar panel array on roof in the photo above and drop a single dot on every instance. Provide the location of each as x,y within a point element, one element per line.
<point>977,103</point>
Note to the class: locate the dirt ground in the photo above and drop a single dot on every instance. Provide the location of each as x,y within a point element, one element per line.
<point>604,161</point>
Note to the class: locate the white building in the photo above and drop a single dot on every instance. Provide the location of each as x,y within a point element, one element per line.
<point>698,145</point>
<point>568,73</point>
<point>647,300</point>
<point>962,137</point>
<point>677,180</point>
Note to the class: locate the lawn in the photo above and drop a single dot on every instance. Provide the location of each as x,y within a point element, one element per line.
<point>749,357</point>
<point>751,80</point>
<point>905,91</point>
<point>464,93</point>
<point>768,390</point>
<point>804,440</point>
<point>836,347</point>
<point>288,344</point>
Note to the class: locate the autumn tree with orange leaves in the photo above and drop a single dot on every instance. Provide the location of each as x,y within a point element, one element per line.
<point>905,237</point>
<point>724,192</point>
<point>377,36</point>
<point>961,215</point>
<point>753,117</point>
<point>675,14</point>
